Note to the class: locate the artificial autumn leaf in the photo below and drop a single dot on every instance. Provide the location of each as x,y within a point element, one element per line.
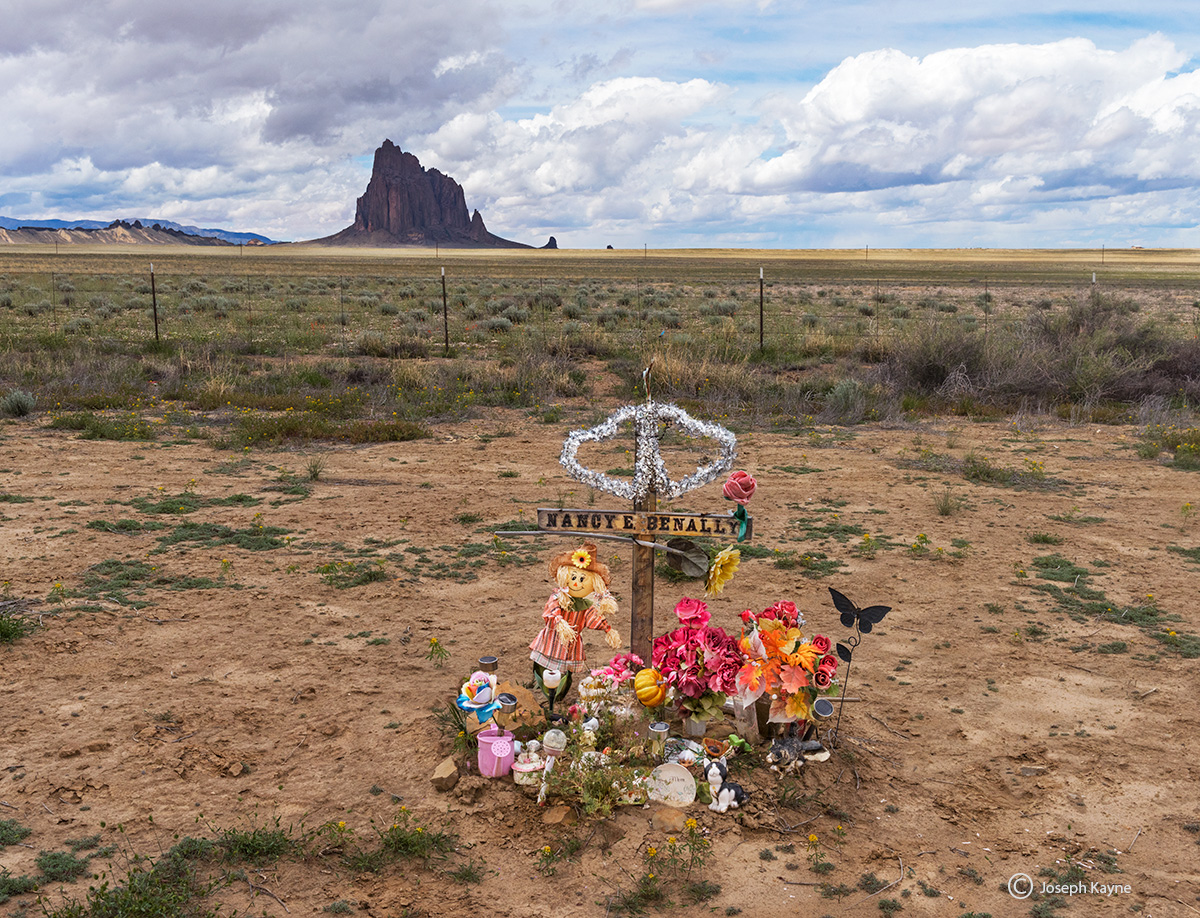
<point>793,678</point>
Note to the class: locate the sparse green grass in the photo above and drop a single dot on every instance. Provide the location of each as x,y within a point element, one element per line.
<point>347,574</point>
<point>1043,538</point>
<point>215,535</point>
<point>13,627</point>
<point>126,582</point>
<point>947,503</point>
<point>469,872</point>
<point>92,426</point>
<point>61,866</point>
<point>15,885</point>
<point>12,832</point>
<point>189,502</point>
<point>129,527</point>
<point>1191,554</point>
<point>258,845</point>
<point>869,883</point>
<point>1083,602</point>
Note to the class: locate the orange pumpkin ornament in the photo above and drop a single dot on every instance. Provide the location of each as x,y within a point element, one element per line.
<point>649,688</point>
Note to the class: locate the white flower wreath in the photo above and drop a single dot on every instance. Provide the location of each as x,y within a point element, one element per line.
<point>650,472</point>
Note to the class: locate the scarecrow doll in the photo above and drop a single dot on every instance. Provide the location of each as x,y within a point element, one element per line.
<point>581,601</point>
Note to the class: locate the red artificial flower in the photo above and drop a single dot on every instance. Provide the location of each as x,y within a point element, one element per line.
<point>739,488</point>
<point>692,612</point>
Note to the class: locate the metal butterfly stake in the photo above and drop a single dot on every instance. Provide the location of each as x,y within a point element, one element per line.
<point>862,621</point>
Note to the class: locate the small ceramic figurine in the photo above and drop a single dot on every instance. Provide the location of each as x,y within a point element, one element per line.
<point>580,601</point>
<point>788,754</point>
<point>527,770</point>
<point>725,793</point>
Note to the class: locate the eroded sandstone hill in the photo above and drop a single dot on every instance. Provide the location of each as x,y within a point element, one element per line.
<point>407,204</point>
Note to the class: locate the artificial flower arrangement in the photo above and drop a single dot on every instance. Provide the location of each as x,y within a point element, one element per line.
<point>620,670</point>
<point>698,661</point>
<point>781,662</point>
<point>601,688</point>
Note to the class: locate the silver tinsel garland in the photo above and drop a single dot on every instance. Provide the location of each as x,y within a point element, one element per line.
<point>650,472</point>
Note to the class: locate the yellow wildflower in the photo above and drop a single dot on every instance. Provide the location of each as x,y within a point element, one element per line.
<point>690,823</point>
<point>546,849</point>
<point>651,852</point>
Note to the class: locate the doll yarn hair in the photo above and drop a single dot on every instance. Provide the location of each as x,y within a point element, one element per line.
<point>584,558</point>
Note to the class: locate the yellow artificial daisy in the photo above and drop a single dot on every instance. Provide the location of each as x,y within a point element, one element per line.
<point>581,558</point>
<point>721,571</point>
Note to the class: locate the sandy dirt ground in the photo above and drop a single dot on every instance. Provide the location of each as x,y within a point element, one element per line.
<point>996,734</point>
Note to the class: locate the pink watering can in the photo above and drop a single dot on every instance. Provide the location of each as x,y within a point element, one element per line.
<point>496,749</point>
<point>496,752</point>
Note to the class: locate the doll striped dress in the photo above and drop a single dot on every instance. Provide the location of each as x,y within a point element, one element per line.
<point>552,653</point>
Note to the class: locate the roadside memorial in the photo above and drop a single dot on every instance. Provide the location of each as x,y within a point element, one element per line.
<point>604,738</point>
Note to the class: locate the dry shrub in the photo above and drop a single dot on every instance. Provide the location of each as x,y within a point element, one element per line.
<point>1098,350</point>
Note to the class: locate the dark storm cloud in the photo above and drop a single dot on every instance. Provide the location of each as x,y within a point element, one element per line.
<point>233,71</point>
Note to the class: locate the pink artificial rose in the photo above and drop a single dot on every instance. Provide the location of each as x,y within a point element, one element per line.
<point>692,613</point>
<point>829,662</point>
<point>739,488</point>
<point>662,652</point>
<point>692,682</point>
<point>726,675</point>
<point>821,644</point>
<point>823,678</point>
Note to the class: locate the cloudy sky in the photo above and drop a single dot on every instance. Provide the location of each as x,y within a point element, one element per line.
<point>668,123</point>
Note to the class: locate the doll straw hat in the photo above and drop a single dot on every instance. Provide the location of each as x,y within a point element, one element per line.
<point>583,558</point>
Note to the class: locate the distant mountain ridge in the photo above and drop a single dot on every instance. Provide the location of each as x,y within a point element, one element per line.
<point>235,238</point>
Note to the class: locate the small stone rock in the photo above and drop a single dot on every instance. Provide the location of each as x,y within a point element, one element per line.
<point>445,776</point>
<point>668,819</point>
<point>236,769</point>
<point>1030,771</point>
<point>561,815</point>
<point>471,788</point>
